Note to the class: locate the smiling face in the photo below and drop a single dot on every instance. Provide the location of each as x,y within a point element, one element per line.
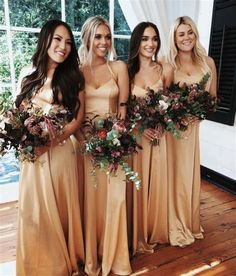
<point>102,41</point>
<point>60,47</point>
<point>185,38</point>
<point>149,43</point>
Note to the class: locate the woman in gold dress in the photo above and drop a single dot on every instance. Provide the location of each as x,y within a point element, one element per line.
<point>150,225</point>
<point>49,239</point>
<point>106,88</point>
<point>190,64</point>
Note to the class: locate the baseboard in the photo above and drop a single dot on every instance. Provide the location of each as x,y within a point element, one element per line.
<point>219,180</point>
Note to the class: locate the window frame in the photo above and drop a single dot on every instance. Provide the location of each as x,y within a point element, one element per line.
<point>9,29</point>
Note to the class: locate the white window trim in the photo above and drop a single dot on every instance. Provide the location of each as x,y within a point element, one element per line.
<point>9,45</point>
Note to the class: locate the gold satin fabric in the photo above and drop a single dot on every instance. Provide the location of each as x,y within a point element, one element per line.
<point>49,238</point>
<point>184,179</point>
<point>106,240</point>
<point>150,224</point>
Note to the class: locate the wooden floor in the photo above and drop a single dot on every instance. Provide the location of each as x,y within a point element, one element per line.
<point>215,255</point>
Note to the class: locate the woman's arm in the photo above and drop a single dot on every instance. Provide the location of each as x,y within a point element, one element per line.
<point>168,74</point>
<point>74,125</point>
<point>213,87</point>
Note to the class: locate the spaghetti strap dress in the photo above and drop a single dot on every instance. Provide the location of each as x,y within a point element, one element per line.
<point>105,216</point>
<point>49,237</point>
<point>184,181</point>
<point>150,223</point>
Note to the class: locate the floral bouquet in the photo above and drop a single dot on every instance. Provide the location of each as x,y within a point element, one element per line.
<point>191,103</point>
<point>26,128</point>
<point>109,142</point>
<point>152,111</point>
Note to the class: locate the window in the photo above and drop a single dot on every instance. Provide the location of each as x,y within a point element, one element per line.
<point>20,23</point>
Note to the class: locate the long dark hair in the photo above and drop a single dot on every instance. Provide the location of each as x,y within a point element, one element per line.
<point>135,41</point>
<point>67,78</point>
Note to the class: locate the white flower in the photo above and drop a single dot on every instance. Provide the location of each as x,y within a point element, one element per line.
<point>116,142</point>
<point>163,104</point>
<point>2,124</point>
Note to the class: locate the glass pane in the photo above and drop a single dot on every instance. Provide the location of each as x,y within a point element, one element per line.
<point>24,45</point>
<point>9,170</point>
<point>5,89</point>
<point>77,11</point>
<point>2,18</point>
<point>122,48</point>
<point>77,41</point>
<point>5,75</point>
<point>34,14</point>
<point>120,25</point>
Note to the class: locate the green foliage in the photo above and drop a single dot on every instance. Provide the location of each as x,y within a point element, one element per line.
<point>2,19</point>
<point>78,11</point>
<point>24,45</point>
<point>120,26</point>
<point>28,13</point>
<point>4,59</point>
<point>6,101</point>
<point>122,48</point>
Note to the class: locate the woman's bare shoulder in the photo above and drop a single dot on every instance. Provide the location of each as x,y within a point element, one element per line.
<point>118,64</point>
<point>210,61</point>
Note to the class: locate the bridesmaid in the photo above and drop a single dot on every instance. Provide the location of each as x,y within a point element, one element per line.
<point>190,63</point>
<point>150,225</point>
<point>49,238</point>
<point>106,88</point>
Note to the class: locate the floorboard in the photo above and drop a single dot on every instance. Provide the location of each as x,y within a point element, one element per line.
<point>214,255</point>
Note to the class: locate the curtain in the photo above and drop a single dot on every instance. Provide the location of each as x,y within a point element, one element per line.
<point>161,12</point>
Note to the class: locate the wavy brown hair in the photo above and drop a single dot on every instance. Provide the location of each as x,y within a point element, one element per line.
<point>135,41</point>
<point>67,79</point>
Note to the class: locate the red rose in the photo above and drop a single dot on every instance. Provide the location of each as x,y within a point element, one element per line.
<point>102,134</point>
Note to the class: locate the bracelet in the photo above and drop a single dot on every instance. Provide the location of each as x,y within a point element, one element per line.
<point>123,104</point>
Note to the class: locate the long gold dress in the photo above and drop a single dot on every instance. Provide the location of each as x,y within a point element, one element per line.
<point>150,225</point>
<point>49,239</point>
<point>106,241</point>
<point>184,179</point>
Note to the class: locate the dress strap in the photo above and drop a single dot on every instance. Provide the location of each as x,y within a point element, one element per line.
<point>112,73</point>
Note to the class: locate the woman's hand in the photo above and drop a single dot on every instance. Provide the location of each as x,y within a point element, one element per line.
<point>154,135</point>
<point>150,134</point>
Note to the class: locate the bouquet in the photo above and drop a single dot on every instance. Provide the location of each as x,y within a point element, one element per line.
<point>109,143</point>
<point>191,103</point>
<point>172,109</point>
<point>152,111</point>
<point>26,128</point>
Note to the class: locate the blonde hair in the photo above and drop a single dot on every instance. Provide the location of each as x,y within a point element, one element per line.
<point>199,53</point>
<point>88,32</point>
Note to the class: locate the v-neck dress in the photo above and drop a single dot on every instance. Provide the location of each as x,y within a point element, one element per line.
<point>106,240</point>
<point>183,156</point>
<point>150,225</point>
<point>49,236</point>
